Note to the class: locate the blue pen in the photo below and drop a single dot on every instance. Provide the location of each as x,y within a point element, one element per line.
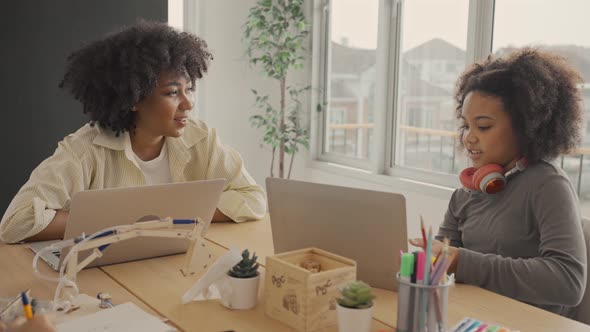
<point>27,309</point>
<point>473,326</point>
<point>473,323</point>
<point>464,323</point>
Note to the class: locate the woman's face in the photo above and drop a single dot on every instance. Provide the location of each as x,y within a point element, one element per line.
<point>165,111</point>
<point>487,131</point>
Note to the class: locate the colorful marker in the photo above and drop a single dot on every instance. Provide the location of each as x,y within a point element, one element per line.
<point>26,305</point>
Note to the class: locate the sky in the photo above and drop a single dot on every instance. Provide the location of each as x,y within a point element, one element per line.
<point>516,22</point>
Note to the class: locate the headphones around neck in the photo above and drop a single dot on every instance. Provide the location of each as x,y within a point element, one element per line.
<point>490,178</point>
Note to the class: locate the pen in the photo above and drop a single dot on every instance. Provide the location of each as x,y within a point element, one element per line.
<point>404,294</point>
<point>26,305</point>
<point>423,231</point>
<point>482,328</point>
<point>425,293</point>
<point>415,271</point>
<point>418,291</point>
<point>472,327</point>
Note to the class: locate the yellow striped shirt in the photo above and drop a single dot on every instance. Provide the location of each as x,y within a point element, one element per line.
<point>94,158</point>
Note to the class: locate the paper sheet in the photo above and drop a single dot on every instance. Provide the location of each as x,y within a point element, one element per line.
<point>125,317</point>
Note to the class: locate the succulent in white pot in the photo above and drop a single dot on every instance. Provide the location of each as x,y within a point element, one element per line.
<point>355,308</point>
<point>243,278</point>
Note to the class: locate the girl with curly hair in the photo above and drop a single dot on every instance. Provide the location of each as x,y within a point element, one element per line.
<point>516,228</point>
<point>136,85</point>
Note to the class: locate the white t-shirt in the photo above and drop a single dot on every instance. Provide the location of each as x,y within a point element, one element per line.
<point>155,171</point>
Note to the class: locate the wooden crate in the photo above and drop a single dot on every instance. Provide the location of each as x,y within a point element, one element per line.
<point>303,299</point>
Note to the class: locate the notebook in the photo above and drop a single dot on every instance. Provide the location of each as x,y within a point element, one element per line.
<point>125,317</point>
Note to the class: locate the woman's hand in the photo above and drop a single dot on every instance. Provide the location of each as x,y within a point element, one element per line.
<point>436,250</point>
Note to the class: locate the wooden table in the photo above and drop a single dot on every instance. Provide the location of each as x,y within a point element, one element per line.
<point>17,275</point>
<point>156,285</point>
<point>464,300</point>
<point>161,284</point>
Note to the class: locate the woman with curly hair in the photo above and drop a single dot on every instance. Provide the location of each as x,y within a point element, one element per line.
<point>136,86</point>
<point>516,226</point>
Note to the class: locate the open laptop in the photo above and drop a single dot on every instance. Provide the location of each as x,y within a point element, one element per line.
<point>93,210</point>
<point>366,226</point>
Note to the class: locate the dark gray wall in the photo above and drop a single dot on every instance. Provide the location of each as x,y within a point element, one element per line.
<point>35,39</point>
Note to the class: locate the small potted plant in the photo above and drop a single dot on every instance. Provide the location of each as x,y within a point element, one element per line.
<point>243,279</point>
<point>355,308</point>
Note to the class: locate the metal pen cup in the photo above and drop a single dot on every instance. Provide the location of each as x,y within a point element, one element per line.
<point>422,308</point>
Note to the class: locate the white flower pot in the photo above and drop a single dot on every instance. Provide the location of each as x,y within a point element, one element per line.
<point>241,293</point>
<point>354,320</point>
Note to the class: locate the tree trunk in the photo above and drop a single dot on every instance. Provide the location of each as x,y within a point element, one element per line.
<point>282,130</point>
<point>272,162</point>
<point>291,165</point>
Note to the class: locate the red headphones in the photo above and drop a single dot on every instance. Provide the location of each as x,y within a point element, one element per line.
<point>490,178</point>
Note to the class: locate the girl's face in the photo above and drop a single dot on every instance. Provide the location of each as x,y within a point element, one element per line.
<point>487,131</point>
<point>165,111</point>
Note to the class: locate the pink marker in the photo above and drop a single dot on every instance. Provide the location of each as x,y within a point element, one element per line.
<point>482,328</point>
<point>420,268</point>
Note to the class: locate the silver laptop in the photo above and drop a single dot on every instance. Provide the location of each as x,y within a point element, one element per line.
<point>93,210</point>
<point>366,226</point>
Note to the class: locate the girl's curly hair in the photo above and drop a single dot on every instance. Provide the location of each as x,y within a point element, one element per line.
<point>111,75</point>
<point>540,92</point>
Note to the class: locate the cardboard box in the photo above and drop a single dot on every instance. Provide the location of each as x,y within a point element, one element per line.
<point>303,299</point>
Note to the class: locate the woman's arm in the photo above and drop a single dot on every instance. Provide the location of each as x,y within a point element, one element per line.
<point>558,275</point>
<point>55,230</point>
<point>49,188</point>
<point>242,199</point>
<point>218,216</point>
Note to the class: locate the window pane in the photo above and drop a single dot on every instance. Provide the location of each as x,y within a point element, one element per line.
<point>351,92</point>
<point>561,29</point>
<point>434,39</point>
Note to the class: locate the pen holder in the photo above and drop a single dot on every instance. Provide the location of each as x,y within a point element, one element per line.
<point>422,308</point>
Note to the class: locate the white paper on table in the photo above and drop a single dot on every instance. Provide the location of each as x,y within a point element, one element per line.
<point>214,282</point>
<point>125,317</point>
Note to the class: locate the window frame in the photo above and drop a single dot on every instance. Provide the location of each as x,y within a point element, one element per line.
<point>387,110</point>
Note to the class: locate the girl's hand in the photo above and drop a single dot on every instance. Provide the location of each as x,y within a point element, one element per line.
<point>437,246</point>
<point>436,249</point>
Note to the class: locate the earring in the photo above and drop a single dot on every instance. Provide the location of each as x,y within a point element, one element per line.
<point>134,109</point>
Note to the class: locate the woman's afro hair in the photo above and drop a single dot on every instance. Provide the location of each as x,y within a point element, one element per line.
<point>111,75</point>
<point>541,93</point>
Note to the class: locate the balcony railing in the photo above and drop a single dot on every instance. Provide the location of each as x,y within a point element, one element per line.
<point>431,140</point>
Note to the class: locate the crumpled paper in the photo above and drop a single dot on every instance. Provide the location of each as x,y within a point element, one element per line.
<point>214,284</point>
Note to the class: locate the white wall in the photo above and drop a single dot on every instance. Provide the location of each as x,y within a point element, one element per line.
<point>224,99</point>
<point>175,10</point>
<point>225,102</point>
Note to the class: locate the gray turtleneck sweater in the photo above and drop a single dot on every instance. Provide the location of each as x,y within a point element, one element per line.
<point>525,242</point>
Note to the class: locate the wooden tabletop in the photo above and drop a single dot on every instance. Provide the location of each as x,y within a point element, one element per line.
<point>17,276</point>
<point>160,283</point>
<point>464,300</point>
<point>156,285</point>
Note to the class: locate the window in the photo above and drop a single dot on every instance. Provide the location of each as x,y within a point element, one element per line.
<point>434,40</point>
<point>390,68</point>
<point>351,85</point>
<point>565,34</point>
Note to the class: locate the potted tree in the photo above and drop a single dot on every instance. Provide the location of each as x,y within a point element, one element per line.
<point>243,283</point>
<point>274,34</point>
<point>355,308</point>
